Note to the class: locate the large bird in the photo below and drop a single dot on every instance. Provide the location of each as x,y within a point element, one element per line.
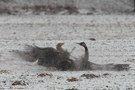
<point>85,64</point>
<point>51,57</point>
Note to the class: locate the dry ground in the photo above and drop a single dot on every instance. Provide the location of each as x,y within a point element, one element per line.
<point>115,43</point>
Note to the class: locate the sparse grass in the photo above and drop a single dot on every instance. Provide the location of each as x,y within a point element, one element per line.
<point>44,74</point>
<point>90,76</point>
<point>4,71</point>
<point>72,89</point>
<point>73,79</point>
<point>19,82</point>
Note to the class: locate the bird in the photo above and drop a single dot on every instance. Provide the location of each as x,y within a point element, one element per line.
<point>85,64</point>
<point>49,56</point>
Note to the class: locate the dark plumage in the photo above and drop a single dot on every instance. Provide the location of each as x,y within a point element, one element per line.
<point>66,63</point>
<point>63,53</point>
<point>52,57</point>
<point>45,56</point>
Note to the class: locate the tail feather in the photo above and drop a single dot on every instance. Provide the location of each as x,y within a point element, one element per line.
<point>33,51</point>
<point>30,54</point>
<point>24,55</point>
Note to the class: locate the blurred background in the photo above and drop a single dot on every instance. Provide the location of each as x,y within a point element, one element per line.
<point>62,7</point>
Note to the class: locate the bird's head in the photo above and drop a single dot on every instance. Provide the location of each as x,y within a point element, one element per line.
<point>60,44</point>
<point>82,43</point>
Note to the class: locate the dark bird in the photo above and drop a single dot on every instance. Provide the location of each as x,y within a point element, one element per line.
<point>46,56</point>
<point>85,64</point>
<point>49,56</point>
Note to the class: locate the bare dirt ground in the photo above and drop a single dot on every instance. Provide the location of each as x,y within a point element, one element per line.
<point>114,43</point>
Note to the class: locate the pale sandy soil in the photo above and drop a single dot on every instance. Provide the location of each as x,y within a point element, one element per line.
<point>114,43</point>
